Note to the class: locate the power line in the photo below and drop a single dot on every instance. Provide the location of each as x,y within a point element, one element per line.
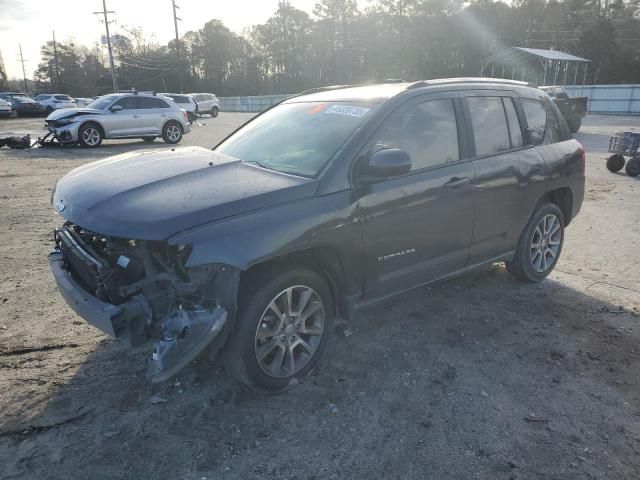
<point>106,13</point>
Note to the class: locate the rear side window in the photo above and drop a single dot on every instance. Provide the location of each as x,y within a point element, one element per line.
<point>146,102</point>
<point>489,122</point>
<point>515,132</point>
<point>127,103</point>
<point>63,97</point>
<point>536,115</point>
<point>428,132</point>
<point>557,128</point>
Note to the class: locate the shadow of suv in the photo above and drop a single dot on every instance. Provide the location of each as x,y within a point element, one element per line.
<point>322,205</point>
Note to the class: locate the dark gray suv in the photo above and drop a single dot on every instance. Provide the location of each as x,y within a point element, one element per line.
<point>322,205</point>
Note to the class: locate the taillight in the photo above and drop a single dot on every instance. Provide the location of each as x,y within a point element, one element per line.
<point>583,159</point>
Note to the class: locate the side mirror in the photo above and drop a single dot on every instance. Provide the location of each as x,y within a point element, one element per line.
<point>390,162</point>
<point>534,136</point>
<point>116,108</point>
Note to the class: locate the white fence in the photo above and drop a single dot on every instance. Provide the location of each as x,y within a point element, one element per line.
<point>249,104</point>
<point>622,99</point>
<point>609,98</point>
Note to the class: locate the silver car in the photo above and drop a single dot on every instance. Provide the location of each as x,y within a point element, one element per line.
<point>120,115</point>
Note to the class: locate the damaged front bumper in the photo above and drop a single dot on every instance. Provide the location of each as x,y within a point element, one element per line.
<point>179,336</point>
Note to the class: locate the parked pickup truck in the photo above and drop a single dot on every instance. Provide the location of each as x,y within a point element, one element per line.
<point>320,206</point>
<point>573,109</point>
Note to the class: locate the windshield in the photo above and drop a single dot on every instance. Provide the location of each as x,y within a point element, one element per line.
<point>297,138</point>
<point>101,103</point>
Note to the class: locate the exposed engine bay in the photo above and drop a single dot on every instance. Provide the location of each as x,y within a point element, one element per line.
<point>142,290</point>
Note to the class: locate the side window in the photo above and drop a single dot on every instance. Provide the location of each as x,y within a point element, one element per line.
<point>428,132</point>
<point>127,103</point>
<point>536,115</point>
<point>557,128</point>
<point>148,103</point>
<point>489,122</point>
<point>515,132</point>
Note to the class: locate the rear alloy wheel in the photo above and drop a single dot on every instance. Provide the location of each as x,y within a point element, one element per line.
<point>172,133</point>
<point>633,167</point>
<point>283,324</point>
<point>539,246</point>
<point>615,163</point>
<point>90,135</point>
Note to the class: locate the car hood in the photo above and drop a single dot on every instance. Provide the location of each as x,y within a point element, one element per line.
<point>153,195</point>
<point>72,112</point>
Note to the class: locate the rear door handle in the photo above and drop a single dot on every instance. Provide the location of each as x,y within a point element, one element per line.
<point>136,116</point>
<point>163,114</point>
<point>455,182</point>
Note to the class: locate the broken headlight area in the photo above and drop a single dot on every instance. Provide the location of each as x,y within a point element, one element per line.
<point>141,291</point>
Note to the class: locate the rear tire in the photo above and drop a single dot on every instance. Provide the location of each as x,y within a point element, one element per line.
<point>172,133</point>
<point>271,353</point>
<point>633,167</point>
<point>615,163</point>
<point>539,246</point>
<point>90,135</point>
<point>214,112</point>
<point>574,124</point>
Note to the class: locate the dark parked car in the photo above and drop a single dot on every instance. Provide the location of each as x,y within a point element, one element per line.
<point>573,109</point>
<point>320,206</point>
<point>22,104</point>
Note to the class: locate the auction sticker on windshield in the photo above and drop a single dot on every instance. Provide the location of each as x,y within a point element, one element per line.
<point>350,110</point>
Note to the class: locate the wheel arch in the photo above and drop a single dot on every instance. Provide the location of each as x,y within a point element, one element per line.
<point>96,123</point>
<point>323,260</point>
<point>172,120</point>
<point>563,198</point>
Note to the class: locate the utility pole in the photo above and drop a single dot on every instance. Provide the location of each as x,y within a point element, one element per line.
<point>106,13</point>
<point>24,75</point>
<point>55,56</point>
<point>178,59</point>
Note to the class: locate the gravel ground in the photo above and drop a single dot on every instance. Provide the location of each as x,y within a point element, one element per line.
<point>481,377</point>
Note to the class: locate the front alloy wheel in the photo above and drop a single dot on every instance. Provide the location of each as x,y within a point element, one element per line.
<point>281,329</point>
<point>90,135</point>
<point>289,331</point>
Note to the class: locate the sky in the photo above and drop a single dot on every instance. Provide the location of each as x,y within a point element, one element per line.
<point>32,22</point>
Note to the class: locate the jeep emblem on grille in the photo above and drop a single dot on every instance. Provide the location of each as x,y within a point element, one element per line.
<point>60,206</point>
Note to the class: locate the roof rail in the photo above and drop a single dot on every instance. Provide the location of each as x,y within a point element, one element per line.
<point>329,88</point>
<point>446,81</point>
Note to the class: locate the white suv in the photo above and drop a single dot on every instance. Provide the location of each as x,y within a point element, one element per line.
<point>207,103</point>
<point>55,101</point>
<point>120,115</point>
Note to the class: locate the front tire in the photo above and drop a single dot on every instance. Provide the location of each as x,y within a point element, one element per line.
<point>90,135</point>
<point>172,133</point>
<point>283,323</point>
<point>539,246</point>
<point>214,112</point>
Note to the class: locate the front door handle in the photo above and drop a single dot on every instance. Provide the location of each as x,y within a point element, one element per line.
<point>455,182</point>
<point>136,116</point>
